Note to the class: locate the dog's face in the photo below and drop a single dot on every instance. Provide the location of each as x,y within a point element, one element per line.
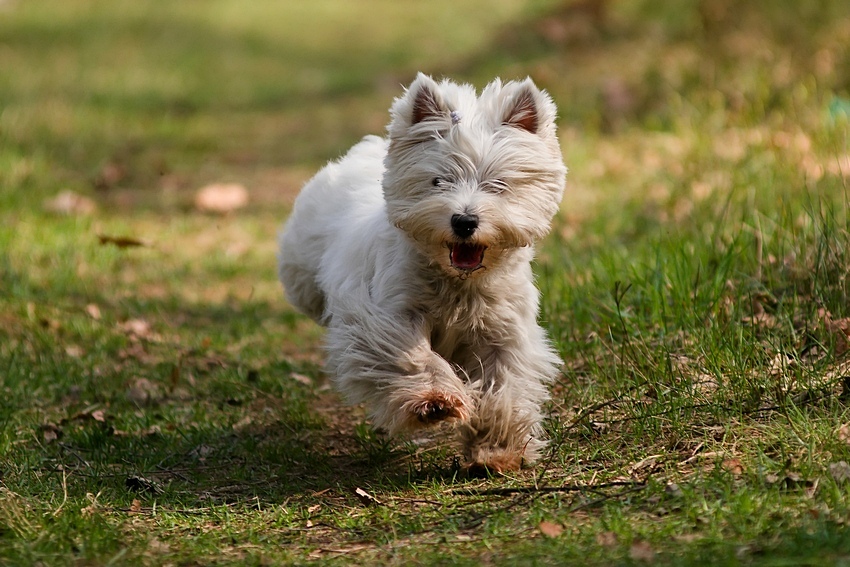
<point>471,178</point>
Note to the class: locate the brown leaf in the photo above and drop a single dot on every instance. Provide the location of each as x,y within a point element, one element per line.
<point>93,311</point>
<point>550,530</point>
<point>70,203</point>
<point>221,198</point>
<point>136,327</point>
<point>840,471</point>
<point>122,241</point>
<point>843,433</point>
<point>142,391</point>
<point>365,498</point>
<point>641,551</point>
<point>606,539</point>
<point>74,351</point>
<point>50,432</point>
<point>136,506</point>
<point>301,378</point>
<point>733,466</point>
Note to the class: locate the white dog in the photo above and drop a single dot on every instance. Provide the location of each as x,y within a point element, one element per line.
<point>415,252</point>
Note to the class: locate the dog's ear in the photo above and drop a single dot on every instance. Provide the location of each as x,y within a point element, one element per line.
<point>425,105</point>
<point>426,100</point>
<point>529,109</point>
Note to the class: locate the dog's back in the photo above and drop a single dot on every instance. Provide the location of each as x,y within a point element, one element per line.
<point>349,187</point>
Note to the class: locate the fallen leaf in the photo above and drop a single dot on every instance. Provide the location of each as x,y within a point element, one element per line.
<point>606,539</point>
<point>840,471</point>
<point>550,530</point>
<point>136,327</point>
<point>732,466</point>
<point>221,198</point>
<point>365,498</point>
<point>142,391</point>
<point>50,432</point>
<point>314,508</point>
<point>641,551</point>
<point>843,433</point>
<point>301,378</point>
<point>647,463</point>
<point>136,506</point>
<point>74,351</point>
<point>70,203</point>
<point>93,311</point>
<point>122,241</point>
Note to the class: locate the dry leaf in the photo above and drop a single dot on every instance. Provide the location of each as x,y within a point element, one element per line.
<point>550,530</point>
<point>243,423</point>
<point>74,351</point>
<point>136,506</point>
<point>93,311</point>
<point>50,432</point>
<point>122,241</point>
<point>840,471</point>
<point>301,378</point>
<point>136,327</point>
<point>142,391</point>
<point>606,539</point>
<point>221,198</point>
<point>365,498</point>
<point>70,203</point>
<point>843,433</point>
<point>647,463</point>
<point>733,466</point>
<point>641,551</point>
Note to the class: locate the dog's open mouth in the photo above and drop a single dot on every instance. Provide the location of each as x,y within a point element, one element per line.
<point>466,257</point>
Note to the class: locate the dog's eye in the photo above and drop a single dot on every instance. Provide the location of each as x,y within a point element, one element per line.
<point>496,185</point>
<point>437,181</point>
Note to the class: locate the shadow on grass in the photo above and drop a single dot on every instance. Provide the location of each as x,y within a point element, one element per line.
<point>182,414</point>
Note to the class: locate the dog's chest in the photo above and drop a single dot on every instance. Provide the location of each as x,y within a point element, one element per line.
<point>459,322</point>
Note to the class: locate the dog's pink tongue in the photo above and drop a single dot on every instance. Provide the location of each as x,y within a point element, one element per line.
<point>467,256</point>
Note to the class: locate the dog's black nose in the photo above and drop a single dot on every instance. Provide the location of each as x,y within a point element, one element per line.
<point>464,225</point>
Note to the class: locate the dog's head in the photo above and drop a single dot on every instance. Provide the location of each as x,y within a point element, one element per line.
<point>470,178</point>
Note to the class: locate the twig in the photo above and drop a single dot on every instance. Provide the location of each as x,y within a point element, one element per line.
<point>64,493</point>
<point>591,503</point>
<point>546,489</point>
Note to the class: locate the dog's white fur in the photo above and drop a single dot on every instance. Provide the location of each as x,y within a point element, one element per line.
<point>418,332</point>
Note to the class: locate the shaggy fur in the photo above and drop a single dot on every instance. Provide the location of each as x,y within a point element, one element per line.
<point>415,252</point>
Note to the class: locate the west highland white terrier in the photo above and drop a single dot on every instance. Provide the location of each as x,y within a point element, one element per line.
<point>415,252</point>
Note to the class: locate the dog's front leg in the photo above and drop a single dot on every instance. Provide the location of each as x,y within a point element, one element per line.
<point>386,361</point>
<point>510,380</point>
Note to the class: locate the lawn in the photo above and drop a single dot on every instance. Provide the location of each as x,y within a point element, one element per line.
<point>163,405</point>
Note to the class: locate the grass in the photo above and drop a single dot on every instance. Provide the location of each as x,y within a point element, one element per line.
<point>163,405</point>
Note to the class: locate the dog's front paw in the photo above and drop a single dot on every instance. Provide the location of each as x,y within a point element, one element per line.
<point>494,461</point>
<point>434,406</point>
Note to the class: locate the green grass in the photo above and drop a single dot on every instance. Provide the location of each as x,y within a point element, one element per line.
<point>162,404</point>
